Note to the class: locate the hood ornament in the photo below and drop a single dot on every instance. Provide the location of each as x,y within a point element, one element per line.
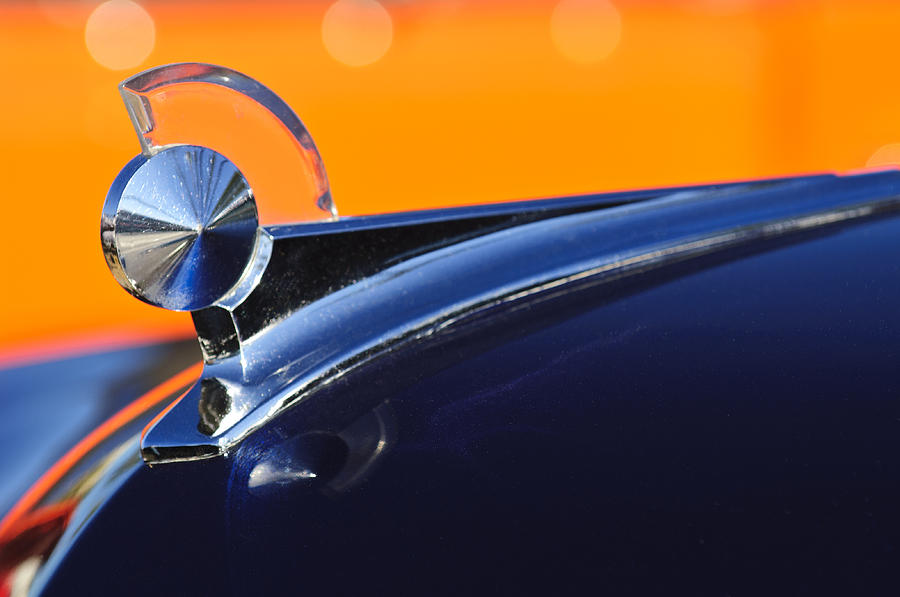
<point>227,213</point>
<point>180,226</point>
<point>283,312</point>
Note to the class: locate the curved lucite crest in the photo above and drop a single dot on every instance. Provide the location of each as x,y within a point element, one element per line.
<point>222,156</point>
<point>238,117</point>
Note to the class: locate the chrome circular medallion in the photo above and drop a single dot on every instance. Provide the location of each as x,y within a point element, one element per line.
<point>179,228</point>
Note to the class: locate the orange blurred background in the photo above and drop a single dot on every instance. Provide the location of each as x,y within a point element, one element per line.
<point>418,104</point>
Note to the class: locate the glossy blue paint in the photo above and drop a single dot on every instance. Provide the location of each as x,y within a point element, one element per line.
<point>47,407</point>
<point>725,424</point>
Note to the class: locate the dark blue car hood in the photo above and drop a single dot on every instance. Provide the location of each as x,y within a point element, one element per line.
<point>726,424</point>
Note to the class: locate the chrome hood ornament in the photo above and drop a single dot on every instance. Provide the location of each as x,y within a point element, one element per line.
<point>236,225</point>
<point>180,226</point>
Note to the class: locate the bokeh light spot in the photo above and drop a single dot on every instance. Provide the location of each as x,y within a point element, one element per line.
<point>585,31</point>
<point>886,155</point>
<point>357,32</point>
<point>119,34</point>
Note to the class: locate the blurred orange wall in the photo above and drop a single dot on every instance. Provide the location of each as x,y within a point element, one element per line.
<point>463,101</point>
